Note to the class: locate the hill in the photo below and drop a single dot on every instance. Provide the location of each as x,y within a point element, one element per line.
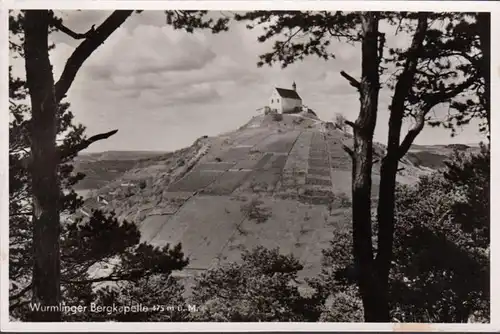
<point>276,182</point>
<point>103,167</point>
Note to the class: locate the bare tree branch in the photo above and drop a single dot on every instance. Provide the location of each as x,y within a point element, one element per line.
<point>381,45</point>
<point>353,82</point>
<point>412,134</point>
<point>64,153</point>
<point>60,26</point>
<point>351,124</point>
<point>348,150</point>
<point>430,102</point>
<point>85,49</point>
<point>434,99</point>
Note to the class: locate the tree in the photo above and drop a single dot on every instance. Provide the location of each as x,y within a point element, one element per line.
<point>441,250</point>
<point>42,162</point>
<point>467,41</point>
<point>338,279</point>
<point>317,29</point>
<point>440,269</point>
<point>427,79</point>
<point>158,298</point>
<point>261,288</point>
<point>86,244</point>
<point>340,122</point>
<point>45,96</point>
<point>423,77</point>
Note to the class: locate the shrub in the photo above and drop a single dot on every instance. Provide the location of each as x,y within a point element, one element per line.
<point>442,244</point>
<point>277,117</point>
<point>258,289</point>
<point>255,211</point>
<point>440,270</point>
<point>340,122</point>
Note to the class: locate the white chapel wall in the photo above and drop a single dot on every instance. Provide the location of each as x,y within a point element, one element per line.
<point>289,105</point>
<point>273,101</point>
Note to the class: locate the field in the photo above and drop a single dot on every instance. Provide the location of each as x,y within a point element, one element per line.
<point>274,183</point>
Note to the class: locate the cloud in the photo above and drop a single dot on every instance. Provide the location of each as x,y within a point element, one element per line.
<point>194,94</point>
<point>79,21</point>
<point>149,49</point>
<point>163,88</point>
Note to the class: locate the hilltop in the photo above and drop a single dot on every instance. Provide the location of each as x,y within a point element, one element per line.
<point>276,182</point>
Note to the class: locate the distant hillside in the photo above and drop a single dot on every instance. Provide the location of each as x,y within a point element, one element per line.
<point>103,167</point>
<point>275,181</point>
<point>433,156</point>
<point>118,155</point>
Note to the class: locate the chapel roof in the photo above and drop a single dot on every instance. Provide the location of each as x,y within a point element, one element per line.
<point>288,93</point>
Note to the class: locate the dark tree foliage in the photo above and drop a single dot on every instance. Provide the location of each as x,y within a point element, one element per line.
<point>189,20</point>
<point>441,249</point>
<point>99,242</point>
<point>453,69</point>
<point>422,76</point>
<point>442,244</point>
<point>455,58</point>
<point>338,280</point>
<point>157,298</point>
<point>470,175</point>
<point>263,287</point>
<point>303,33</point>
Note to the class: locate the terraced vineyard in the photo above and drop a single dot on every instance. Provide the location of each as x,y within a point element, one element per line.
<point>272,183</point>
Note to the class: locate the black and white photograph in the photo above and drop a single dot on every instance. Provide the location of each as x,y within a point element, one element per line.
<point>281,163</point>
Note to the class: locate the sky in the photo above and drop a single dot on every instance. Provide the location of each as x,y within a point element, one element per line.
<point>164,88</point>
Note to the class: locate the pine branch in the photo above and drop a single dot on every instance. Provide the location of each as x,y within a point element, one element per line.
<point>353,82</point>
<point>430,101</point>
<point>351,124</point>
<point>434,99</point>
<point>86,48</point>
<point>412,134</point>
<point>61,27</point>
<point>64,153</point>
<point>348,150</point>
<point>69,151</point>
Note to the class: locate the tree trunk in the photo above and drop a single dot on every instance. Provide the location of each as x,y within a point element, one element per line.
<point>385,218</point>
<point>389,169</point>
<point>362,166</point>
<point>43,168</point>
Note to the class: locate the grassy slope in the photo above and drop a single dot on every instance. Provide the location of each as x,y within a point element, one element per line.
<point>216,228</point>
<point>104,167</point>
